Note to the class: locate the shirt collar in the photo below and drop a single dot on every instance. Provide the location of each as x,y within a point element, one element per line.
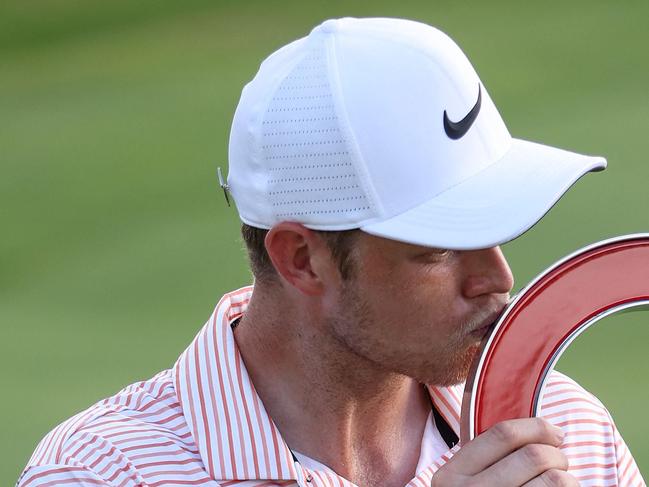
<point>236,438</point>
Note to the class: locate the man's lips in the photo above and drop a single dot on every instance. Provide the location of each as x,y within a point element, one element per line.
<point>482,331</point>
<point>486,324</point>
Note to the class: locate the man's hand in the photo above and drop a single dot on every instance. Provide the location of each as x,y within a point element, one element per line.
<point>518,452</point>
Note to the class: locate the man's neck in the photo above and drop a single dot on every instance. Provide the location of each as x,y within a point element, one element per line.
<point>362,421</point>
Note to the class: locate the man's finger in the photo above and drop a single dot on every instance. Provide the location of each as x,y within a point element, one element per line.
<point>554,478</point>
<point>523,465</point>
<point>502,439</point>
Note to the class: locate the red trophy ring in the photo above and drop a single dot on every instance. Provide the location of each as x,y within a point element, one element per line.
<point>507,377</point>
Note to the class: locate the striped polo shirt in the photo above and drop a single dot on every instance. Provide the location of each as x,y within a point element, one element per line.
<point>202,423</point>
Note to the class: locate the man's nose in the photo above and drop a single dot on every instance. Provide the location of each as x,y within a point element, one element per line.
<point>486,272</point>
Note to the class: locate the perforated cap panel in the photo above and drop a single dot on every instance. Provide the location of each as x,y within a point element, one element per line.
<point>311,174</point>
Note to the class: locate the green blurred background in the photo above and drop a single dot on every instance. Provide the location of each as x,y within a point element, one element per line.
<point>116,242</point>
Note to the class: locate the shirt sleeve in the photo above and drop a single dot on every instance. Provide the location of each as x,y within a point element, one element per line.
<point>627,470</point>
<point>83,458</point>
<point>59,475</point>
<point>596,452</point>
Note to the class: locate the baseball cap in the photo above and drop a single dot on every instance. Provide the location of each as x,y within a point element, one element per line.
<point>384,125</point>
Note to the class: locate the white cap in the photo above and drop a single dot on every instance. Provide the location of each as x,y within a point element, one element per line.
<point>384,125</point>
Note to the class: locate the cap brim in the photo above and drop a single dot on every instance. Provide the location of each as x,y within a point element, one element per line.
<point>494,206</point>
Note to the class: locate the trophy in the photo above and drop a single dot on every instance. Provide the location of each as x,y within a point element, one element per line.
<point>507,377</point>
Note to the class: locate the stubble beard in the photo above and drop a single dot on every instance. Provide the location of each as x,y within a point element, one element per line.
<point>443,365</point>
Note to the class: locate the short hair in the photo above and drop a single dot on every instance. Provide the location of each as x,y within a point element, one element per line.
<point>340,244</point>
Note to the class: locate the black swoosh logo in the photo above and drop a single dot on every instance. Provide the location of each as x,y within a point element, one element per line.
<point>456,130</point>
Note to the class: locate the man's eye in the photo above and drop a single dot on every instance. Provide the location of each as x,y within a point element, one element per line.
<point>435,255</point>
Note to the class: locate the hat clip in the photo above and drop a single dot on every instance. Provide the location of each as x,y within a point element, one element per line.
<point>225,186</point>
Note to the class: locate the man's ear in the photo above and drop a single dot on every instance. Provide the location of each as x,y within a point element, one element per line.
<point>297,254</point>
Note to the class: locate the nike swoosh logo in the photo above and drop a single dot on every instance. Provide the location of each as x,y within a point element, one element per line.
<point>456,130</point>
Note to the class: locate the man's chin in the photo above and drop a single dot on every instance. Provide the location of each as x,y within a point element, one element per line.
<point>456,370</point>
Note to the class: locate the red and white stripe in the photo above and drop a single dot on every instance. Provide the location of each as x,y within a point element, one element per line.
<point>202,424</point>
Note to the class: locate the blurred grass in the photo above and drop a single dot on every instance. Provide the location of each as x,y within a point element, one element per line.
<point>116,242</point>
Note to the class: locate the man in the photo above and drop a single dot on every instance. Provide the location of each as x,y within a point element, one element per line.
<point>375,179</point>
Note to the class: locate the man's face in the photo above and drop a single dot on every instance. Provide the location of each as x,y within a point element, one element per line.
<point>419,311</point>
